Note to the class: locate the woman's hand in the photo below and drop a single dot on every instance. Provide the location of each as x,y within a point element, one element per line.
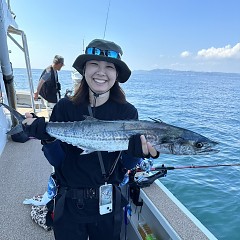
<point>139,147</point>
<point>29,119</point>
<point>147,149</point>
<point>35,126</point>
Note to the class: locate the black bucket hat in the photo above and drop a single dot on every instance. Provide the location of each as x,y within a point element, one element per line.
<point>102,50</point>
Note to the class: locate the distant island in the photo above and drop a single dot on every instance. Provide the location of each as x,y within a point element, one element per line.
<point>171,71</point>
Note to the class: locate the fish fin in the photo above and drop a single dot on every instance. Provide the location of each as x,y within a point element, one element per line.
<point>89,118</point>
<point>87,151</point>
<point>15,130</point>
<point>156,120</point>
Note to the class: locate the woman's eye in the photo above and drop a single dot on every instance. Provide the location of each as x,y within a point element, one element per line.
<point>110,67</point>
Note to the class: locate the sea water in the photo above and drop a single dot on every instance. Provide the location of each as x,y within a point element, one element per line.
<point>208,103</point>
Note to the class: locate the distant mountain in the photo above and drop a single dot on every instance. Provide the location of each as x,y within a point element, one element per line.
<point>170,72</point>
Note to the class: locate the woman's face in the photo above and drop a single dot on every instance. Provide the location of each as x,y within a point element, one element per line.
<point>100,75</point>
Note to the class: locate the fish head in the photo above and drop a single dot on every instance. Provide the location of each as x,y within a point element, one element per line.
<point>194,145</point>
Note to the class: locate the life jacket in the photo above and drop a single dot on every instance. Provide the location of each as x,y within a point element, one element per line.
<point>51,87</point>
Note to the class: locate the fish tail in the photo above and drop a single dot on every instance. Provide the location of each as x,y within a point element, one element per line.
<point>15,113</point>
<point>18,128</point>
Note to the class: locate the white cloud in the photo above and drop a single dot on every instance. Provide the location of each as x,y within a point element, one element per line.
<point>225,52</point>
<point>185,54</point>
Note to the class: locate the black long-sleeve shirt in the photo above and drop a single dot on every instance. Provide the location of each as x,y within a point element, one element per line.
<point>81,171</point>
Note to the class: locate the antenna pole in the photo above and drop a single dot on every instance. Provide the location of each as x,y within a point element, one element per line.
<point>106,19</point>
<point>83,45</point>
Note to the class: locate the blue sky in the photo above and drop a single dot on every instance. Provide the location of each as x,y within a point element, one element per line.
<point>174,34</point>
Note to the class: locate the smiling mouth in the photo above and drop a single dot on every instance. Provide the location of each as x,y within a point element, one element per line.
<point>100,81</point>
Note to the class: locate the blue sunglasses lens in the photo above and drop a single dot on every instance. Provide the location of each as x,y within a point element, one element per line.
<point>107,53</point>
<point>90,51</point>
<point>112,54</point>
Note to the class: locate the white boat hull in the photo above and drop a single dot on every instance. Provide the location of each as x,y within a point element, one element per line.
<point>166,216</point>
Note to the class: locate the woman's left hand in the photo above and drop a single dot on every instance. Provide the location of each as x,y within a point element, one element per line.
<point>139,147</point>
<point>148,149</point>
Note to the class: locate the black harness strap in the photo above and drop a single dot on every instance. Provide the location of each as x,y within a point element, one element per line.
<point>105,176</point>
<point>118,212</point>
<point>60,204</point>
<point>118,195</point>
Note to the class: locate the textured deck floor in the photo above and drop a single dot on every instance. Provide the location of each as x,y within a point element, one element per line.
<point>24,172</point>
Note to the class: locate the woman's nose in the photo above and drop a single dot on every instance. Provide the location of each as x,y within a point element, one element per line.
<point>101,70</point>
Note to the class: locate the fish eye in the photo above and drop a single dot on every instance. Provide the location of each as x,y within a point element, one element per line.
<point>199,145</point>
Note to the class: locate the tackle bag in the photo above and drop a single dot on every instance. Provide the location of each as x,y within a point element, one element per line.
<point>39,214</point>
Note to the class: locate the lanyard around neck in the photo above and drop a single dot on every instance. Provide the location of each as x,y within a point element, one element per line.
<point>105,176</point>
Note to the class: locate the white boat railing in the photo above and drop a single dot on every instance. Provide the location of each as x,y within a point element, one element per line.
<point>8,28</point>
<point>24,48</point>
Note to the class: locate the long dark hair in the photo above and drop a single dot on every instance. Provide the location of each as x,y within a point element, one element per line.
<point>82,94</point>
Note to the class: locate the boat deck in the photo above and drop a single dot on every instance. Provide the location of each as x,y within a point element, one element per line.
<point>24,173</point>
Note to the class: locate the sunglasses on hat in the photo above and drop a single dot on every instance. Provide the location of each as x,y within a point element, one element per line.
<point>100,52</point>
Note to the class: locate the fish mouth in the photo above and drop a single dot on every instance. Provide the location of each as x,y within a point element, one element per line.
<point>208,150</point>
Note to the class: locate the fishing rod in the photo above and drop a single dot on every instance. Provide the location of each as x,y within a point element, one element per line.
<point>146,180</point>
<point>193,166</point>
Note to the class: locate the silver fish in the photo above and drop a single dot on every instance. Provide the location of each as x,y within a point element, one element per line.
<point>98,135</point>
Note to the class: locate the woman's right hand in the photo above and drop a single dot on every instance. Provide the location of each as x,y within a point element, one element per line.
<point>29,119</point>
<point>35,127</point>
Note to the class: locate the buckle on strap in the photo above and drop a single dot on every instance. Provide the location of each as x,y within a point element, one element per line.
<point>90,193</point>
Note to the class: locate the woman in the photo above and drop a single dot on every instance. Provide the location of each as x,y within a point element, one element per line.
<point>84,180</point>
